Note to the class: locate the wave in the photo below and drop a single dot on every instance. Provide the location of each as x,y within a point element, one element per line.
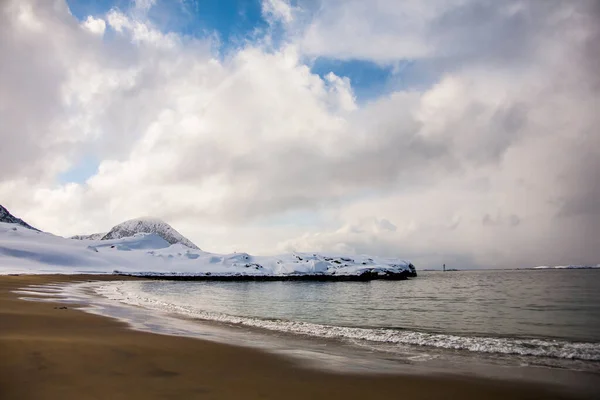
<point>125,293</point>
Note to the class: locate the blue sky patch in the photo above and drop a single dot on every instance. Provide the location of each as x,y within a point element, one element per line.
<point>82,8</point>
<point>369,80</point>
<point>80,171</point>
<point>234,21</point>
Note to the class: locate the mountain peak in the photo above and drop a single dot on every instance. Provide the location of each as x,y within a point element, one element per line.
<point>6,216</point>
<point>149,225</point>
<point>148,220</point>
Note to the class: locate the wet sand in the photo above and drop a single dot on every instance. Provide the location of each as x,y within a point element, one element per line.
<point>48,352</point>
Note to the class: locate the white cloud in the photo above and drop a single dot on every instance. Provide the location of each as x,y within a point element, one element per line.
<point>144,5</point>
<point>492,165</point>
<point>279,10</point>
<point>140,31</point>
<point>95,25</point>
<point>380,30</point>
<point>452,31</point>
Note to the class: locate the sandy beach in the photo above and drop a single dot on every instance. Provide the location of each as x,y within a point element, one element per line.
<point>49,352</point>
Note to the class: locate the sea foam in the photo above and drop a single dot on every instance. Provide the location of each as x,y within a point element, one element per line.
<point>126,292</point>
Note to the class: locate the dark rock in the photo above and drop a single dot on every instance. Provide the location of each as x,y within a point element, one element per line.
<point>364,277</point>
<point>6,216</point>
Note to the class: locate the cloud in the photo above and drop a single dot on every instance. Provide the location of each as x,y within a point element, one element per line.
<point>454,32</point>
<point>95,25</point>
<point>144,5</point>
<point>278,10</point>
<point>492,163</point>
<point>36,48</point>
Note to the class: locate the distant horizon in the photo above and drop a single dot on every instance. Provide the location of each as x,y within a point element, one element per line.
<point>538,267</point>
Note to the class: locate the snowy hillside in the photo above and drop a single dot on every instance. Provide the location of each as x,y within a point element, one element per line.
<point>7,217</point>
<point>93,236</point>
<point>26,251</point>
<point>149,225</point>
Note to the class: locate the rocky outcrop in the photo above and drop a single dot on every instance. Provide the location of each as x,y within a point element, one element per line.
<point>7,217</point>
<point>93,236</point>
<point>363,277</point>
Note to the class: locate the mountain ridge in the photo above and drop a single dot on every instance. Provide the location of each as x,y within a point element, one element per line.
<point>6,216</point>
<point>93,236</point>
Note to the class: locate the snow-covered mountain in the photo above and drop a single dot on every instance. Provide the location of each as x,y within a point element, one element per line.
<point>151,247</point>
<point>23,250</point>
<point>7,217</point>
<point>93,236</point>
<point>149,225</point>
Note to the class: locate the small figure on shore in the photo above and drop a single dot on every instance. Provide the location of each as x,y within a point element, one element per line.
<point>444,267</point>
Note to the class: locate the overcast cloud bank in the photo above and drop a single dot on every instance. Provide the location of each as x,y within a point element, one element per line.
<point>490,161</point>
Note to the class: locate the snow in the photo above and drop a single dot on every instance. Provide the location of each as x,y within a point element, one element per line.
<point>148,225</point>
<point>23,250</point>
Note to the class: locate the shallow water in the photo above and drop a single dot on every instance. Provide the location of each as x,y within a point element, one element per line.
<point>532,304</point>
<point>552,316</point>
<point>533,325</point>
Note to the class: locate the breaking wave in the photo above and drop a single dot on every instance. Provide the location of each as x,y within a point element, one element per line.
<point>495,345</point>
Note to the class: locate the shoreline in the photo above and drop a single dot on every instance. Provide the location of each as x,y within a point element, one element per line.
<point>367,276</point>
<point>53,352</point>
<point>339,348</point>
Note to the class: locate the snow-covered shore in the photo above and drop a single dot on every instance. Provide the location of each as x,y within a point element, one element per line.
<point>27,251</point>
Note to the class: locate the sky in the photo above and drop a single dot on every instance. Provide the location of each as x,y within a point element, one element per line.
<point>462,132</point>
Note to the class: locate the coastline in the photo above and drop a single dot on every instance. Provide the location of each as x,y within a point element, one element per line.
<point>366,276</point>
<point>49,352</point>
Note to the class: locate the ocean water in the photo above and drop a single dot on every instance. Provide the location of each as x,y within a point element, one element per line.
<point>547,318</point>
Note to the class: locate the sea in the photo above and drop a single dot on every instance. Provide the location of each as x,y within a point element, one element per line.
<point>538,325</point>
